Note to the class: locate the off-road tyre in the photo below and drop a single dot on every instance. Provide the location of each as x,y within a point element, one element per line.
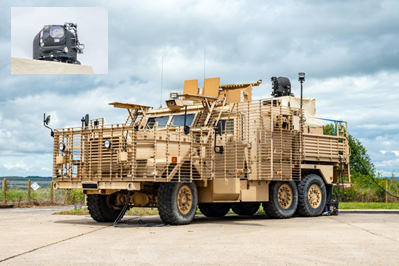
<point>100,209</point>
<point>214,209</point>
<point>283,200</point>
<point>311,182</point>
<point>245,208</point>
<point>168,205</point>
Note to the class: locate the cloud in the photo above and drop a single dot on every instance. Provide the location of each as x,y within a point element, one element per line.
<point>17,165</point>
<point>396,153</point>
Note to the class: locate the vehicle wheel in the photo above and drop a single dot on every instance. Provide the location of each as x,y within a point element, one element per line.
<point>312,196</point>
<point>102,208</point>
<point>177,202</point>
<point>214,209</point>
<point>283,200</point>
<point>245,208</point>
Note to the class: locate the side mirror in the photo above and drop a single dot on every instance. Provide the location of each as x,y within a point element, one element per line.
<point>218,128</point>
<point>46,121</point>
<point>186,130</point>
<point>186,127</point>
<point>85,120</point>
<point>218,131</point>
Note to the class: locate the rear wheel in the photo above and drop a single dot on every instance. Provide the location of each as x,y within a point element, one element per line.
<point>283,200</point>
<point>103,208</point>
<point>245,208</point>
<point>177,202</point>
<point>214,209</point>
<point>312,196</point>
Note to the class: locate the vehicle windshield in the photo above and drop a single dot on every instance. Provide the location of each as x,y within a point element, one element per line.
<point>178,120</point>
<point>157,122</point>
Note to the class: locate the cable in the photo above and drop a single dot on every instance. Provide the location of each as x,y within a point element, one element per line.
<point>123,211</point>
<point>119,218</point>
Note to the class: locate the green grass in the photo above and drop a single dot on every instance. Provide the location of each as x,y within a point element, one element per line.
<point>132,211</point>
<point>368,205</point>
<point>82,211</point>
<point>142,211</point>
<point>42,194</point>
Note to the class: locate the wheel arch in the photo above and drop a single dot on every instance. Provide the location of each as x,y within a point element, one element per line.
<point>326,172</point>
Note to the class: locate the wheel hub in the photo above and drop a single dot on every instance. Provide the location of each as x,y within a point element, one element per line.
<point>112,202</point>
<point>184,199</point>
<point>314,196</point>
<point>284,196</point>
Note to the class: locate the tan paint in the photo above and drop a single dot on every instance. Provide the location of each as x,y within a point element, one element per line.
<point>191,87</point>
<point>211,87</point>
<point>258,191</point>
<point>326,171</point>
<point>140,199</point>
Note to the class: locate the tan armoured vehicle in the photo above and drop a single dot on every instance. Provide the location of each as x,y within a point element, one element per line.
<point>214,148</point>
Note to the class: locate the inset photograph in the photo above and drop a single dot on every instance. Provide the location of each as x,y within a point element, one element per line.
<point>59,40</point>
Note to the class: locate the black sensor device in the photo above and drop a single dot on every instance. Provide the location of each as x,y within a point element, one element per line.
<point>59,43</point>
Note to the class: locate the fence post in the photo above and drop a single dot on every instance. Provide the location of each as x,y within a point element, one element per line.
<point>51,192</point>
<point>29,191</point>
<point>4,191</point>
<point>66,196</point>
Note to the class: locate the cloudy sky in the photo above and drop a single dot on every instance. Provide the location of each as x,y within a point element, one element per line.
<point>348,50</point>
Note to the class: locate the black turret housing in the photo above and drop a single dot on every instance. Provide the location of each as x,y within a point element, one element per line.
<point>57,43</point>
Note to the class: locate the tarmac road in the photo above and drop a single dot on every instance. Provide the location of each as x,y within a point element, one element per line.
<point>36,237</point>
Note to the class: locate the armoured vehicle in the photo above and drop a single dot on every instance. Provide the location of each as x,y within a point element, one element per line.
<point>58,43</point>
<point>214,148</point>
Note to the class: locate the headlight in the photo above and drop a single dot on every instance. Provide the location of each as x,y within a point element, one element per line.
<point>62,146</point>
<point>107,144</point>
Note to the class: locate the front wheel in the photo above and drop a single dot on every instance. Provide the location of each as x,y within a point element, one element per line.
<point>312,196</point>
<point>177,202</point>
<point>103,208</point>
<point>283,200</point>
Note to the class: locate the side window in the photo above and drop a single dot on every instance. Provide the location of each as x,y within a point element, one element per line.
<point>227,126</point>
<point>157,122</point>
<point>178,120</point>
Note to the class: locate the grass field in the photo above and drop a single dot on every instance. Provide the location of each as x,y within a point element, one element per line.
<point>133,211</point>
<point>43,194</point>
<point>368,205</point>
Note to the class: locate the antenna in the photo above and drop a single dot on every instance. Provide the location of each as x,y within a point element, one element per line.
<point>204,60</point>
<point>160,105</point>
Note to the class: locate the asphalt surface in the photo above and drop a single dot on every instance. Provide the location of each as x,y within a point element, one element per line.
<point>36,237</point>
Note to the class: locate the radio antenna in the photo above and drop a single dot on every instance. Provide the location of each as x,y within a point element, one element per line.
<point>160,105</point>
<point>204,60</point>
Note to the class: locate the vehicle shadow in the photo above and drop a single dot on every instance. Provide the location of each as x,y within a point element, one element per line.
<point>155,221</point>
